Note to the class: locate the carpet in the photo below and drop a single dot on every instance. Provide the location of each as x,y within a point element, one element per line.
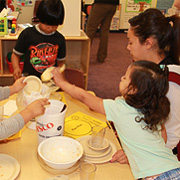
<point>104,77</point>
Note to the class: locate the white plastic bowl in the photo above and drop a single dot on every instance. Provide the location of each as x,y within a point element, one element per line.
<point>60,152</point>
<point>34,84</point>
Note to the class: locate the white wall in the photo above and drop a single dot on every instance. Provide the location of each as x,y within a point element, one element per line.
<point>72,22</point>
<point>26,12</point>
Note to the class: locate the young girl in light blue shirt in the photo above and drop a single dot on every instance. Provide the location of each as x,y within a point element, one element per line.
<point>138,115</point>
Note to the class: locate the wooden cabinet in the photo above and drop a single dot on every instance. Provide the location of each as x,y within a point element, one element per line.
<point>77,49</point>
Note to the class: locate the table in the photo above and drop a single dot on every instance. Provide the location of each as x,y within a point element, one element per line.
<point>24,150</point>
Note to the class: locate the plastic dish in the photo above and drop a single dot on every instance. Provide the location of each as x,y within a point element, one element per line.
<point>103,159</point>
<point>105,145</point>
<point>47,75</point>
<point>60,152</point>
<point>34,84</point>
<point>88,152</point>
<point>58,171</point>
<point>9,166</point>
<point>97,157</point>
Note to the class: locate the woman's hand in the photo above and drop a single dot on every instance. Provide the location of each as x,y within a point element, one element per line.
<point>120,156</point>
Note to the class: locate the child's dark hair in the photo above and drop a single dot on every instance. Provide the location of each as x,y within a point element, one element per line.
<point>51,12</point>
<point>150,85</point>
<point>166,30</point>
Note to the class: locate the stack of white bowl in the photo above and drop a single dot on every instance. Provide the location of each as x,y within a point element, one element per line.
<point>97,155</point>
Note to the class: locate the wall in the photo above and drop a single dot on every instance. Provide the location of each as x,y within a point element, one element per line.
<point>26,12</point>
<point>129,9</point>
<point>72,22</point>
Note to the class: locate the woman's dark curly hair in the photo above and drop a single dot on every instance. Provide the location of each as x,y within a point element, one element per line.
<point>150,85</point>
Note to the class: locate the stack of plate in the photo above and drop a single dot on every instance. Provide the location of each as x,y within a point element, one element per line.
<point>95,155</point>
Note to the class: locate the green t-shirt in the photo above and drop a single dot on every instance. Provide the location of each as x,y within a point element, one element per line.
<point>145,150</point>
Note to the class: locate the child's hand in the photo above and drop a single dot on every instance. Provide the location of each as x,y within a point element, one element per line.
<point>34,109</point>
<point>17,73</point>
<point>120,156</point>
<point>17,86</point>
<point>58,76</point>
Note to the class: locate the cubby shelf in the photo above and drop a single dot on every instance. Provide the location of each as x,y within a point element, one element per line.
<point>77,52</point>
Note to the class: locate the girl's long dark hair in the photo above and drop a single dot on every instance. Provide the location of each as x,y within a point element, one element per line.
<point>152,23</point>
<point>150,84</point>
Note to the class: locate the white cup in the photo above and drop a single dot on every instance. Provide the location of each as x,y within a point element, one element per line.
<point>97,136</point>
<point>1,113</point>
<point>87,171</point>
<point>51,123</point>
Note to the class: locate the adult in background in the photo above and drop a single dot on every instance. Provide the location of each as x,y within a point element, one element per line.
<point>154,37</point>
<point>101,14</point>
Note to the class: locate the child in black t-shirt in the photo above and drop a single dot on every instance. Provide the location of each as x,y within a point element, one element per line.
<point>42,45</point>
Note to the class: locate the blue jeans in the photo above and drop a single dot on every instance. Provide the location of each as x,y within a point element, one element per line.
<point>173,174</point>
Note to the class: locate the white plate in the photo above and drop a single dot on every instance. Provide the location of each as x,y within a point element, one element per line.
<point>9,167</point>
<point>88,151</point>
<point>34,84</point>
<point>102,159</point>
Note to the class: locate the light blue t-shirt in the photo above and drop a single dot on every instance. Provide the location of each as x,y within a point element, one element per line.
<point>145,150</point>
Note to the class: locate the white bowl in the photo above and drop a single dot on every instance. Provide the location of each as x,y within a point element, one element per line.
<point>34,84</point>
<point>104,146</point>
<point>60,152</point>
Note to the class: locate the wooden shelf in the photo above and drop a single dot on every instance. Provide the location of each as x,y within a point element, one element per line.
<point>77,53</point>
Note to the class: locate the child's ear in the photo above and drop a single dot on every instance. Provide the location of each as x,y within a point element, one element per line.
<point>133,90</point>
